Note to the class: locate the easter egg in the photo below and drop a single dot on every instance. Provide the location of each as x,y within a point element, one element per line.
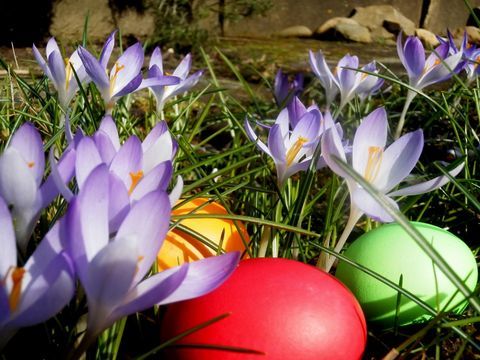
<point>391,252</point>
<point>180,247</point>
<point>280,308</point>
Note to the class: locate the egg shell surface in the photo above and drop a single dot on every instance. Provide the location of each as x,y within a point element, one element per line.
<point>283,308</point>
<point>180,247</point>
<point>391,252</point>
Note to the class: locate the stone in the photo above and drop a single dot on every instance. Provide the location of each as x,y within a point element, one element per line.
<point>352,32</point>
<point>427,38</point>
<point>69,17</point>
<point>377,16</point>
<point>473,33</point>
<point>300,31</point>
<point>447,14</point>
<point>381,35</point>
<point>332,23</point>
<point>341,28</point>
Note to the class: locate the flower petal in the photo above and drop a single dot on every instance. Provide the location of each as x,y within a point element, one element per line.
<point>110,274</point>
<point>8,255</point>
<point>128,161</point>
<point>28,143</point>
<point>156,179</point>
<point>127,68</point>
<point>372,132</point>
<point>156,59</point>
<point>253,137</point>
<point>414,57</point>
<point>17,182</point>
<point>146,225</point>
<point>332,148</point>
<point>107,49</point>
<point>49,282</point>
<point>87,159</point>
<point>107,125</point>
<point>365,202</point>
<point>202,277</point>
<point>398,160</point>
<point>95,70</point>
<point>427,185</point>
<point>93,205</point>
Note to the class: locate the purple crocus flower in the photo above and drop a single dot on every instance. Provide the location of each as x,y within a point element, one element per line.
<point>163,92</point>
<point>383,167</point>
<point>125,76</point>
<point>292,139</point>
<point>470,55</point>
<point>35,291</point>
<point>60,71</point>
<point>137,167</point>
<point>284,90</point>
<point>22,165</point>
<point>112,265</point>
<point>437,67</point>
<point>345,79</point>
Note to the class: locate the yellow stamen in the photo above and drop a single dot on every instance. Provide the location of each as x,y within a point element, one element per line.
<point>375,155</point>
<point>139,259</point>
<point>135,179</point>
<point>477,62</point>
<point>68,72</point>
<point>427,68</point>
<point>31,164</point>
<point>118,68</point>
<point>17,277</point>
<point>293,151</point>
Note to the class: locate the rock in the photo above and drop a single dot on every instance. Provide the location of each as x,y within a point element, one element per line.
<point>447,14</point>
<point>378,16</point>
<point>332,23</point>
<point>295,31</point>
<point>381,35</point>
<point>341,28</point>
<point>473,33</point>
<point>352,32</point>
<point>69,17</point>
<point>427,37</point>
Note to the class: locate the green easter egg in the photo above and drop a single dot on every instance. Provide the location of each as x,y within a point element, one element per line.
<point>391,252</point>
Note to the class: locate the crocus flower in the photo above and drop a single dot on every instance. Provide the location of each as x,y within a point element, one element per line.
<point>22,166</point>
<point>345,79</point>
<point>125,76</point>
<point>137,167</point>
<point>163,92</point>
<point>284,90</point>
<point>292,139</point>
<point>470,55</point>
<point>384,168</point>
<point>437,67</point>
<point>112,265</point>
<point>35,291</point>
<point>60,71</point>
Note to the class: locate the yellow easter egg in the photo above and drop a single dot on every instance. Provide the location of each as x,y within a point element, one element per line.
<point>180,247</point>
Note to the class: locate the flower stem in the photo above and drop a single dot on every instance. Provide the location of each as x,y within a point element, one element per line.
<point>355,215</point>
<point>410,95</point>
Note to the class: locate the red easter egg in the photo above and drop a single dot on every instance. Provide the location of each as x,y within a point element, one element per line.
<point>281,308</point>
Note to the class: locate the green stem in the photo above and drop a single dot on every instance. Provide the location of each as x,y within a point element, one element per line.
<point>410,96</point>
<point>355,215</point>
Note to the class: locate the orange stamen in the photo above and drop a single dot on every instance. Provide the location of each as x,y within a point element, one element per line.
<point>17,277</point>
<point>68,73</point>
<point>31,164</point>
<point>135,179</point>
<point>293,151</point>
<point>375,155</point>
<point>118,68</point>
